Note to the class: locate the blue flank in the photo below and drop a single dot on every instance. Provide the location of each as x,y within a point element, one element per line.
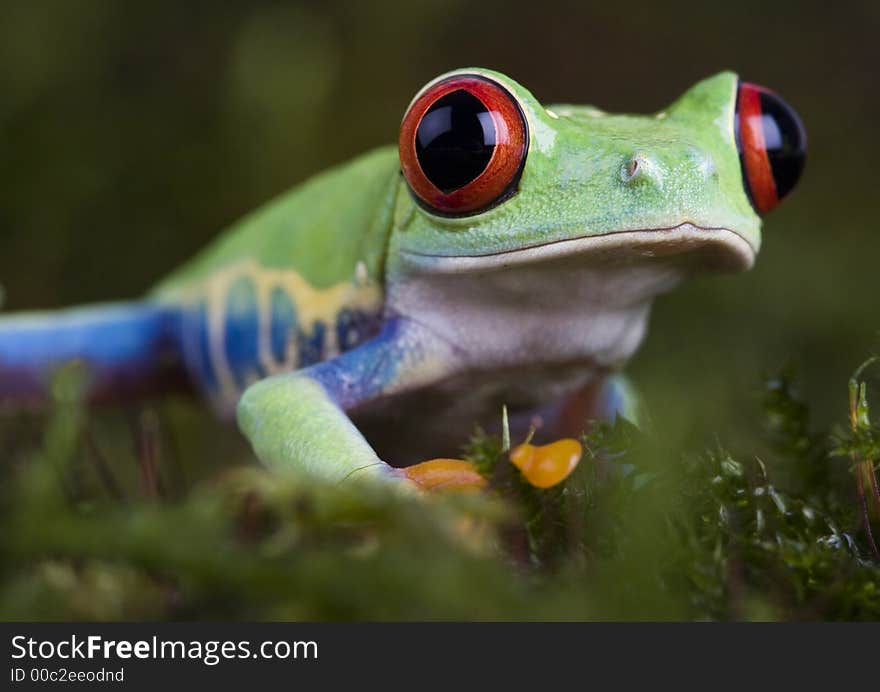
<point>351,327</point>
<point>290,344</point>
<point>282,324</point>
<point>311,346</point>
<point>125,346</point>
<point>137,348</point>
<point>200,361</point>
<point>241,333</point>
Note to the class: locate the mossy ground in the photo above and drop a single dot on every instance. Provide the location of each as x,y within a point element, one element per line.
<point>773,532</point>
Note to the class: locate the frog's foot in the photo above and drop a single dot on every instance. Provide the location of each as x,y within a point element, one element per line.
<point>547,465</point>
<point>445,475</point>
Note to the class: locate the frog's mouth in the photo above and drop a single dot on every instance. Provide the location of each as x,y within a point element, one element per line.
<point>695,247</point>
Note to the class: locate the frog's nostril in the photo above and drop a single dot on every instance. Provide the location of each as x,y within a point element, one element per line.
<point>632,168</point>
<point>639,168</point>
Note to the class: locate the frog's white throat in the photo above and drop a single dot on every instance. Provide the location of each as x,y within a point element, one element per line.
<point>580,301</point>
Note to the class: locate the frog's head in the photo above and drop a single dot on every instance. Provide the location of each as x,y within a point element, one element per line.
<point>496,179</point>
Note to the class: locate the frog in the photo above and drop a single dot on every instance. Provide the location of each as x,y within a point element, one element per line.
<point>503,254</point>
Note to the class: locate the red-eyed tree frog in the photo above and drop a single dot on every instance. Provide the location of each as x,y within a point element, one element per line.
<point>504,253</point>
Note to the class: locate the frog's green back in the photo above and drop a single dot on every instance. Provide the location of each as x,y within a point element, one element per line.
<point>296,282</point>
<point>328,230</point>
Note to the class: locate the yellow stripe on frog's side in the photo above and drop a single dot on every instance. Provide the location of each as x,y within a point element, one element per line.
<point>313,307</point>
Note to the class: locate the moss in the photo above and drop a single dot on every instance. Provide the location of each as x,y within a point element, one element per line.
<point>779,531</point>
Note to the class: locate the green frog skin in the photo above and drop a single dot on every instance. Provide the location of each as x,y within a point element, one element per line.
<point>503,253</point>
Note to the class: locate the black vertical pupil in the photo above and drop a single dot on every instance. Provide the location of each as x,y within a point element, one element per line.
<point>455,139</point>
<point>785,140</point>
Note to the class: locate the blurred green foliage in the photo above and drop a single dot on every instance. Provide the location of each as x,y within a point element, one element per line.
<point>132,132</point>
<point>629,535</point>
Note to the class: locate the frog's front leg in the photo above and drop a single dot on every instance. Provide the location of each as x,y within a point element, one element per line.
<point>298,420</point>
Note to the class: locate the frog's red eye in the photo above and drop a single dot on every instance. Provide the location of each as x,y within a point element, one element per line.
<point>772,145</point>
<point>463,145</point>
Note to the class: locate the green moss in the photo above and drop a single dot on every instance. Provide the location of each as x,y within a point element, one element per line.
<point>775,532</point>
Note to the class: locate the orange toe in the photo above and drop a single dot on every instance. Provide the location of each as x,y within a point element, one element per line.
<point>445,474</point>
<point>547,465</point>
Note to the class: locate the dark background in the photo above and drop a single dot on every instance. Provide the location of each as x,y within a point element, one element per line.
<point>131,132</point>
